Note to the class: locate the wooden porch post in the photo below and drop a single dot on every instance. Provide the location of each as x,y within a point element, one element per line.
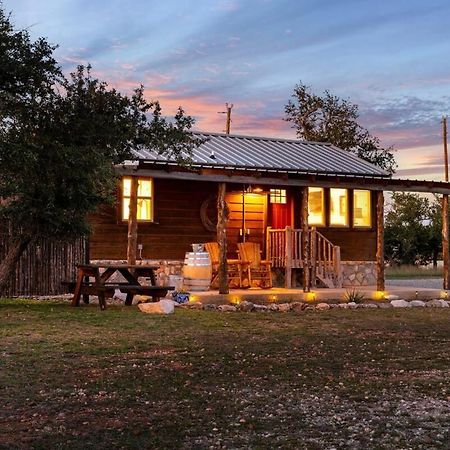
<point>445,241</point>
<point>132,222</point>
<point>380,241</point>
<point>306,256</point>
<point>222,218</point>
<point>288,255</point>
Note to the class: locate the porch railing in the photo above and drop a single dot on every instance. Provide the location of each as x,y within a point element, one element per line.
<point>285,249</point>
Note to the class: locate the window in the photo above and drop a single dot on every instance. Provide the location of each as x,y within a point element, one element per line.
<point>338,207</point>
<point>278,196</point>
<point>361,208</point>
<point>144,199</point>
<point>316,206</point>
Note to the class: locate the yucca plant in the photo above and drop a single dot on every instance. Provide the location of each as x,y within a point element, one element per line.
<point>354,296</point>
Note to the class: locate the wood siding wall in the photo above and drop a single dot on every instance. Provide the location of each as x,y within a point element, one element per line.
<point>178,224</point>
<point>255,219</point>
<point>43,266</point>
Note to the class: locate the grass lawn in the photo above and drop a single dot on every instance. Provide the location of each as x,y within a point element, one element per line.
<point>397,272</point>
<point>79,378</point>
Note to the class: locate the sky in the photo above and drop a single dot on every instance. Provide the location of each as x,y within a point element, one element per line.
<point>391,58</point>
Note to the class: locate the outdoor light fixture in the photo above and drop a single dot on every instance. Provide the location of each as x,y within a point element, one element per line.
<point>310,296</point>
<point>257,190</point>
<point>380,295</point>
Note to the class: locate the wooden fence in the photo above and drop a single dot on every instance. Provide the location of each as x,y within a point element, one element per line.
<point>44,265</point>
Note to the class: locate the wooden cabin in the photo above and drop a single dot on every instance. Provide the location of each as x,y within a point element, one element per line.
<point>307,204</point>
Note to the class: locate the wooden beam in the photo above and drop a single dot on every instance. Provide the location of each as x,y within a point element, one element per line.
<point>380,241</point>
<point>302,180</point>
<point>445,242</point>
<point>222,218</point>
<point>306,256</point>
<point>132,222</point>
<point>288,255</point>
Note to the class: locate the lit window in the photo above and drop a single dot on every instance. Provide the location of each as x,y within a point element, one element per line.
<point>278,196</point>
<point>339,207</point>
<point>361,208</point>
<point>144,199</point>
<point>316,206</point>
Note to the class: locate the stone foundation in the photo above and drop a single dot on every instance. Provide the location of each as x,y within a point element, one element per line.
<point>359,273</point>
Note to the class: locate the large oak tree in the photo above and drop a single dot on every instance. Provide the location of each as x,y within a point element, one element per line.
<point>328,118</point>
<point>60,139</point>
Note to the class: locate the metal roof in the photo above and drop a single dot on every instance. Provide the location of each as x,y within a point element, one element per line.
<point>270,155</point>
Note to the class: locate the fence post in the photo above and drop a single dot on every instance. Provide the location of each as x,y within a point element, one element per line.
<point>288,256</point>
<point>268,245</point>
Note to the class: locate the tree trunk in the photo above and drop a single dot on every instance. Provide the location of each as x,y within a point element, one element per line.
<point>9,263</point>
<point>132,222</point>
<point>380,241</point>
<point>222,217</point>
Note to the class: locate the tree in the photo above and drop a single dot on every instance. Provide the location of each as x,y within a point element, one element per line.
<point>60,139</point>
<point>328,118</point>
<point>413,230</point>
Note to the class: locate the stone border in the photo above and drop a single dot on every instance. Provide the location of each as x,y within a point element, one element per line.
<point>246,306</point>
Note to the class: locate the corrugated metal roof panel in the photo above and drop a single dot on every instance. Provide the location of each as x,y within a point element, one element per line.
<point>282,155</point>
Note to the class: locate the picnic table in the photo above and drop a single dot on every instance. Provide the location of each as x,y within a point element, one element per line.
<point>103,288</point>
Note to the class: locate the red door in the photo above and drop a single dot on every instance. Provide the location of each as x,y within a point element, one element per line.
<point>280,213</point>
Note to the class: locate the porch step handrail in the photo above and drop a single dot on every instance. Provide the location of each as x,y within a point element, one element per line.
<point>284,250</point>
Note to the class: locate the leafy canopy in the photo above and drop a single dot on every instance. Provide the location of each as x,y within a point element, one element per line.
<point>413,229</point>
<point>327,118</point>
<point>60,138</point>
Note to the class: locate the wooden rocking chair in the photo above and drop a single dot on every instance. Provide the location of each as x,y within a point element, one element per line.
<point>260,270</point>
<point>234,267</point>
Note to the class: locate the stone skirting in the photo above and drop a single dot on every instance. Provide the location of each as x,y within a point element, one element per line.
<point>359,273</point>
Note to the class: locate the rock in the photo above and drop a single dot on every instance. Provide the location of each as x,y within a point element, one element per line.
<point>246,306</point>
<point>310,308</point>
<point>343,305</point>
<point>437,303</point>
<point>161,307</point>
<point>260,307</point>
<point>369,305</point>
<point>392,297</point>
<point>384,305</point>
<point>352,305</point>
<point>323,307</point>
<point>210,307</point>
<point>417,304</point>
<point>227,308</point>
<point>284,307</point>
<point>400,304</point>
<point>273,307</point>
<point>298,306</point>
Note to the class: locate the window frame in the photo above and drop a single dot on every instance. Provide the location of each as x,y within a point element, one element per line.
<point>143,197</point>
<point>323,224</point>
<point>362,227</point>
<point>278,194</point>
<point>347,214</point>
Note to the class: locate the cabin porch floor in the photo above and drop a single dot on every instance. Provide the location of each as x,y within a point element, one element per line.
<point>332,295</point>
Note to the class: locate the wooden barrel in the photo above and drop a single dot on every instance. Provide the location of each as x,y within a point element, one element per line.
<point>197,271</point>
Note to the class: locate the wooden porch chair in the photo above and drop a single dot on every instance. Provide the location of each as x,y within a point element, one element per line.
<point>260,270</point>
<point>234,267</point>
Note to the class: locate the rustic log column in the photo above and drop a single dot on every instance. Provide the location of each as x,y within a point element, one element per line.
<point>222,218</point>
<point>132,222</point>
<point>288,257</point>
<point>306,254</point>
<point>445,243</point>
<point>380,241</point>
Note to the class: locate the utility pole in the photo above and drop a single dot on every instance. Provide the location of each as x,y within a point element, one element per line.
<point>228,113</point>
<point>445,224</point>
